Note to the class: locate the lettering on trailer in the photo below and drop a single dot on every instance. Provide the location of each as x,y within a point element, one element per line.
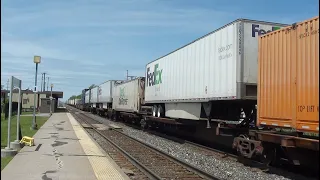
<point>308,108</point>
<point>256,29</point>
<point>223,52</point>
<point>308,32</point>
<point>155,77</point>
<point>122,99</point>
<point>99,90</point>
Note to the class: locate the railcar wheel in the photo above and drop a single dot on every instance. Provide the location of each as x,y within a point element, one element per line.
<point>269,156</point>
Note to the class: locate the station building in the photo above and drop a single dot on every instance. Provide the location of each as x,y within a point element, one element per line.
<point>42,99</point>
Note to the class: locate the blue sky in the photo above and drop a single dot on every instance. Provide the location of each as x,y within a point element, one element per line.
<point>84,42</point>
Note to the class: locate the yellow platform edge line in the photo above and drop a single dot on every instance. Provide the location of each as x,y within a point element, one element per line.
<point>102,167</point>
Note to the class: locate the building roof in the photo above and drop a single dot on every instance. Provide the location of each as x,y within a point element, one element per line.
<point>57,94</point>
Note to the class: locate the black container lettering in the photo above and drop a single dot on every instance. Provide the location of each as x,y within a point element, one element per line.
<point>301,108</point>
<point>308,108</point>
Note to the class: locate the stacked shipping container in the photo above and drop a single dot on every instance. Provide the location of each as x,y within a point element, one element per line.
<point>288,88</point>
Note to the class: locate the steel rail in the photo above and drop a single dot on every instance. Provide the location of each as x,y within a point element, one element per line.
<point>150,173</point>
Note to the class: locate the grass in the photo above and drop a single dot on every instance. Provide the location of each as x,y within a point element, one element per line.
<point>25,123</point>
<point>5,161</point>
<point>23,113</point>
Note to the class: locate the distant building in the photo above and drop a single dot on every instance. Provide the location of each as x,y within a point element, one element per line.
<point>27,98</point>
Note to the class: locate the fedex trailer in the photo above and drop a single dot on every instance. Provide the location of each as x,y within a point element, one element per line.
<point>212,78</point>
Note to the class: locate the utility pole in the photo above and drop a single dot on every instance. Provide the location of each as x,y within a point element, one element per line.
<point>131,77</point>
<point>51,100</point>
<point>48,84</point>
<point>127,74</point>
<point>44,83</point>
<point>41,82</point>
<point>8,85</point>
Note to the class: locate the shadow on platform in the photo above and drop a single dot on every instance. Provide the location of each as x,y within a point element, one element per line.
<point>61,110</point>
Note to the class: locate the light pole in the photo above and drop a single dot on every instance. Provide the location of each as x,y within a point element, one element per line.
<point>37,60</point>
<point>51,100</point>
<point>18,115</point>
<point>48,84</point>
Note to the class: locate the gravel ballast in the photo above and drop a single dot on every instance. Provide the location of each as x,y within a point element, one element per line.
<point>222,168</point>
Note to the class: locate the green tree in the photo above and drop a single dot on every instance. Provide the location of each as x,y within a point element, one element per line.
<point>75,97</point>
<point>72,97</point>
<point>79,96</point>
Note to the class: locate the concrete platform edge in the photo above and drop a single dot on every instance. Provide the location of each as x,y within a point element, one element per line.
<point>111,161</point>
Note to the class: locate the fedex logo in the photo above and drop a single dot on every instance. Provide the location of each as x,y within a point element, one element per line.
<point>256,29</point>
<point>154,77</point>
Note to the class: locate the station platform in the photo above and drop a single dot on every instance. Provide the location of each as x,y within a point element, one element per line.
<point>63,150</point>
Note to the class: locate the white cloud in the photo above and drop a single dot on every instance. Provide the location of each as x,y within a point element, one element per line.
<point>87,42</point>
<point>24,51</point>
<point>115,14</point>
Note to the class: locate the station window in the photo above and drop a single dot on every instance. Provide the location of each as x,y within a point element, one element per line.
<point>25,101</point>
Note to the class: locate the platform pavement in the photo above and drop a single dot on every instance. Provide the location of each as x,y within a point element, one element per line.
<point>63,150</point>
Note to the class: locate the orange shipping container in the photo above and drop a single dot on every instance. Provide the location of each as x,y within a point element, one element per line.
<point>288,87</point>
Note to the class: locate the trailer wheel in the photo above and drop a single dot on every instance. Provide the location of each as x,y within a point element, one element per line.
<point>160,111</point>
<point>154,111</point>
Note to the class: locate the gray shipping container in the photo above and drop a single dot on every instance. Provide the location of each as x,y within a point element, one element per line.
<point>94,96</point>
<point>87,97</point>
<point>128,96</point>
<point>105,92</point>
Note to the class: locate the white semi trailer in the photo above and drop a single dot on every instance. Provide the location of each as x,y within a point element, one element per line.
<point>214,77</point>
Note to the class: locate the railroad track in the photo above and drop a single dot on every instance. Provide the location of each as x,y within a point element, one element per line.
<point>207,151</point>
<point>152,162</point>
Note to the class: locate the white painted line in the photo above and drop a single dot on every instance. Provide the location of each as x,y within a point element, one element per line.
<point>274,124</point>
<point>263,123</point>
<point>305,127</point>
<point>286,125</point>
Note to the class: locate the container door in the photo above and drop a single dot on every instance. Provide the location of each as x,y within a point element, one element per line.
<point>276,87</point>
<point>307,76</point>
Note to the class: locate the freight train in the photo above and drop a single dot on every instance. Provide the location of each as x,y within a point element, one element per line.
<point>254,81</point>
<point>74,102</point>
